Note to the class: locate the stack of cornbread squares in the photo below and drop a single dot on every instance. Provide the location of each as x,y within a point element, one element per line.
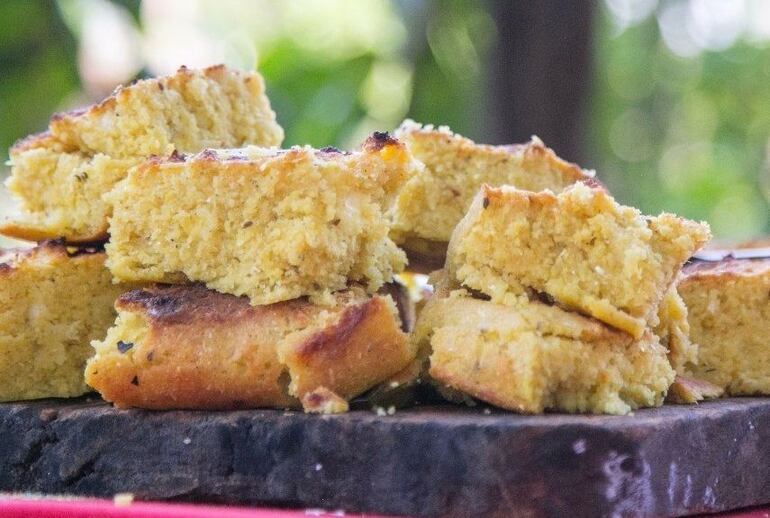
<point>185,261</point>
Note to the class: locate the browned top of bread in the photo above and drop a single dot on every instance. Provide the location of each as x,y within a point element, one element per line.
<point>197,305</point>
<point>728,267</point>
<point>12,258</point>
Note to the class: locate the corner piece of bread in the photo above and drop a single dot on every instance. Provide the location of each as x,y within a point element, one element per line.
<point>59,176</point>
<point>270,224</point>
<point>537,357</point>
<point>190,347</point>
<point>53,302</point>
<point>728,304</point>
<point>579,248</point>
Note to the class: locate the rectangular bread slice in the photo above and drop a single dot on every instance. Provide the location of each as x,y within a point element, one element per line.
<point>272,225</point>
<point>728,304</point>
<point>537,357</point>
<point>59,176</point>
<point>579,248</point>
<point>191,347</point>
<point>433,202</point>
<point>53,302</point>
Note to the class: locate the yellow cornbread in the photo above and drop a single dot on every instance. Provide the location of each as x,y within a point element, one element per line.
<point>60,176</point>
<point>579,248</point>
<point>537,357</point>
<point>431,204</point>
<point>52,304</point>
<point>191,347</point>
<point>728,304</point>
<point>272,225</point>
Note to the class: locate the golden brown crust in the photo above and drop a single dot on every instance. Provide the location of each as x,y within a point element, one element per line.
<point>29,232</point>
<point>361,347</point>
<point>52,250</point>
<point>728,267</point>
<point>687,390</point>
<point>201,349</point>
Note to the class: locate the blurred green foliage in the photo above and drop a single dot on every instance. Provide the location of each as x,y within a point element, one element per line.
<point>684,134</point>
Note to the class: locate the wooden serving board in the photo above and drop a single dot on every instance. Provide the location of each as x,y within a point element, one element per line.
<point>437,461</point>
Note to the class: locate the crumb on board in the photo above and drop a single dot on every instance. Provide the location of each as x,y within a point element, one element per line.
<point>123,499</point>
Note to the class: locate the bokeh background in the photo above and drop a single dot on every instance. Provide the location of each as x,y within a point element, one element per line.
<point>669,100</point>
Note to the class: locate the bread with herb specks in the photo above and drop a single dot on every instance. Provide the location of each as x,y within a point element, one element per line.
<point>433,202</point>
<point>728,304</point>
<point>61,175</point>
<point>578,248</point>
<point>270,224</point>
<point>191,347</point>
<point>53,302</point>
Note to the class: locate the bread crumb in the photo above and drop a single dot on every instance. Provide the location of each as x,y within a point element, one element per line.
<point>123,499</point>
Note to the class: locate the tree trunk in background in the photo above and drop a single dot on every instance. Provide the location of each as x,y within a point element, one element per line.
<point>540,72</point>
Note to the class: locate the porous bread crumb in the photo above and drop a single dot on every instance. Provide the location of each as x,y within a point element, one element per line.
<point>52,304</point>
<point>513,244</point>
<point>537,357</point>
<point>272,225</point>
<point>433,202</point>
<point>59,176</point>
<point>728,304</point>
<point>123,499</point>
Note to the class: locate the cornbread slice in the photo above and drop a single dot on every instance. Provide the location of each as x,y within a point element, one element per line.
<point>60,176</point>
<point>191,347</point>
<point>272,225</point>
<point>579,248</point>
<point>728,305</point>
<point>431,204</point>
<point>52,304</point>
<point>537,357</point>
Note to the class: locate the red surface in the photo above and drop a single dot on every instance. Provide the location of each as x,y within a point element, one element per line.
<point>11,507</point>
<point>86,508</point>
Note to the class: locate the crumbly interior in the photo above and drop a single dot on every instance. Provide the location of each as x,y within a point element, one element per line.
<point>432,203</point>
<point>674,332</point>
<point>270,225</point>
<point>59,177</point>
<point>729,311</point>
<point>579,247</point>
<point>51,307</point>
<point>537,357</point>
<point>187,111</point>
<point>61,192</point>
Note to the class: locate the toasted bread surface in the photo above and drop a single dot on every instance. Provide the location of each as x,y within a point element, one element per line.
<point>191,347</point>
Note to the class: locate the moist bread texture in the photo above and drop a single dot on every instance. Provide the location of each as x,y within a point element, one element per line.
<point>270,224</point>
<point>53,302</point>
<point>61,175</point>
<point>537,357</point>
<point>191,347</point>
<point>578,248</point>
<point>432,203</point>
<point>728,305</point>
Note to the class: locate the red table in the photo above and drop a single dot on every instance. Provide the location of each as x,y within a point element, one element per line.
<point>20,507</point>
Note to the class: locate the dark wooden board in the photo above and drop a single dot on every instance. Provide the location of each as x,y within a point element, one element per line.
<point>425,461</point>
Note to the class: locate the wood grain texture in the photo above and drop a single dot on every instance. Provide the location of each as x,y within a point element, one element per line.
<point>434,461</point>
